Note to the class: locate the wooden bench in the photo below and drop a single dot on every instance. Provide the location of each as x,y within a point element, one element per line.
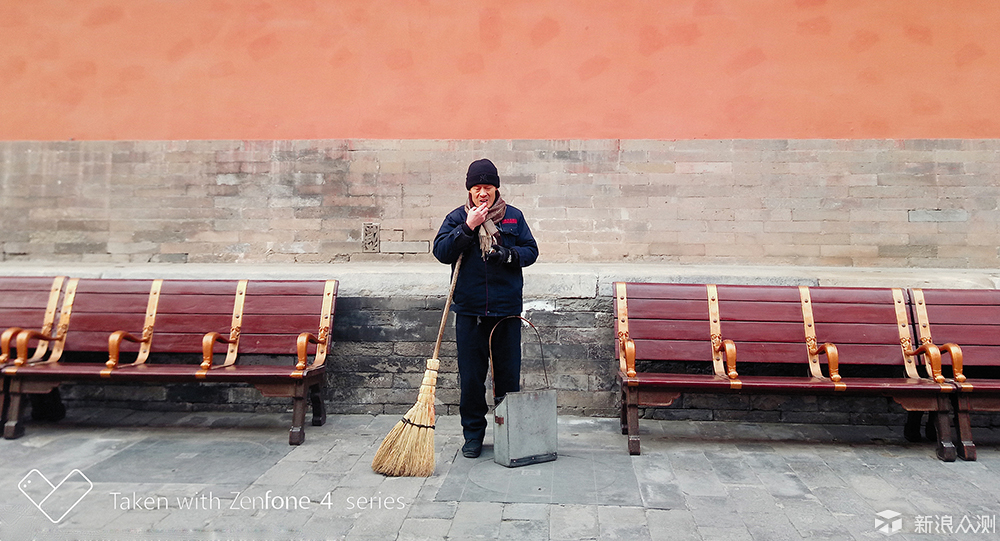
<point>778,340</point>
<point>151,321</point>
<point>965,326</point>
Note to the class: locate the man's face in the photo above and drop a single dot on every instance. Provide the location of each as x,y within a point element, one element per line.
<point>483,193</point>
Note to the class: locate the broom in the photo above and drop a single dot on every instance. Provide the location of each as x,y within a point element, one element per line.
<point>408,450</point>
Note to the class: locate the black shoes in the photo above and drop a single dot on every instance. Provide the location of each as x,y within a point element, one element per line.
<point>472,448</point>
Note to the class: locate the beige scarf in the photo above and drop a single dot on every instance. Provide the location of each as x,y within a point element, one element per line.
<point>488,232</point>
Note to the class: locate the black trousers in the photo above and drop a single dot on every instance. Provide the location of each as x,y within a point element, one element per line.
<point>472,334</point>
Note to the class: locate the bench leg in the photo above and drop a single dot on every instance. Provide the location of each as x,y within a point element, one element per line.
<point>297,434</point>
<point>946,445</point>
<point>963,438</point>
<point>632,415</point>
<point>13,428</point>
<point>318,406</point>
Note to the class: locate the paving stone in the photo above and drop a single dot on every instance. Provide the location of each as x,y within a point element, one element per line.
<point>732,469</point>
<point>716,533</point>
<point>476,520</point>
<point>526,511</point>
<point>668,525</point>
<point>424,529</point>
<point>424,508</point>
<point>524,530</point>
<point>571,522</point>
<point>624,523</point>
<point>773,526</point>
<point>714,511</point>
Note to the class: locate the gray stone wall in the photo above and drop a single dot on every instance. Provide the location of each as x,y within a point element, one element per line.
<point>862,203</point>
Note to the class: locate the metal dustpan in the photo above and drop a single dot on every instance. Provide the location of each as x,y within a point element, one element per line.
<point>525,423</point>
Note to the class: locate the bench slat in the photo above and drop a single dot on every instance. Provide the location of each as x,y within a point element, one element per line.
<point>967,335</point>
<point>854,313</point>
<point>665,291</point>
<point>676,330</point>
<point>98,286</point>
<point>974,315</point>
<point>760,312</point>
<point>758,294</point>
<point>265,305</point>
<point>19,317</point>
<point>673,350</point>
<point>852,295</point>
<point>962,297</point>
<point>677,309</point>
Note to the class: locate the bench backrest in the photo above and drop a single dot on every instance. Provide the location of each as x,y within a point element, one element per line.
<point>967,317</point>
<point>668,322</point>
<point>95,308</point>
<point>276,311</point>
<point>187,309</point>
<point>269,314</point>
<point>28,303</point>
<point>767,324</point>
<point>870,326</point>
<point>676,322</point>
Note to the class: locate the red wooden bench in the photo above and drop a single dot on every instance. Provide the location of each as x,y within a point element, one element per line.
<point>143,326</point>
<point>776,340</point>
<point>964,325</point>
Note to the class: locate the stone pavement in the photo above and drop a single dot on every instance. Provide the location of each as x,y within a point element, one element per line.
<point>149,475</point>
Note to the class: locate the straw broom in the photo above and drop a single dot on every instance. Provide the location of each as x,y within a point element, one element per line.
<point>408,450</point>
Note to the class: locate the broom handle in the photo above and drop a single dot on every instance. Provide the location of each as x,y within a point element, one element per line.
<point>447,306</point>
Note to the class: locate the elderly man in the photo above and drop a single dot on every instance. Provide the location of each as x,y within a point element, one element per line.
<point>496,243</point>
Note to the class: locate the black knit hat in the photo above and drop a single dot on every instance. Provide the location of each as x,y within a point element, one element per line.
<point>482,172</point>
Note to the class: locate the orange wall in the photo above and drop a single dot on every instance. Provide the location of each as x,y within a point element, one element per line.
<point>482,69</point>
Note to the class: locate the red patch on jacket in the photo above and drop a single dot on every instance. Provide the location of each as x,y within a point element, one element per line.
<point>510,221</point>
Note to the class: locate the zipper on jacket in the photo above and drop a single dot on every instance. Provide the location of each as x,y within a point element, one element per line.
<point>486,281</point>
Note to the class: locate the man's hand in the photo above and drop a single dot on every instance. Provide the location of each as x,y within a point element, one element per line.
<point>501,254</point>
<point>477,216</point>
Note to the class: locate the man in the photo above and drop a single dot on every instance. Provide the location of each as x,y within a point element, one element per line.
<point>495,243</point>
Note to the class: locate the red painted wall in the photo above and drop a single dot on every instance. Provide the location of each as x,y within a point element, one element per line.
<point>481,69</point>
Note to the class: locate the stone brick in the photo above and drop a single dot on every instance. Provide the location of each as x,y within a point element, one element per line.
<point>939,215</point>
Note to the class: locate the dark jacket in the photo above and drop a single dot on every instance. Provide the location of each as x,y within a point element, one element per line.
<point>486,288</point>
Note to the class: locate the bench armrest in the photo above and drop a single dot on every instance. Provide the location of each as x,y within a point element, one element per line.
<point>955,351</point>
<point>115,344</point>
<point>832,358</point>
<point>933,353</point>
<point>208,345</point>
<point>5,340</point>
<point>626,355</point>
<point>302,350</point>
<point>22,340</point>
<point>728,348</point>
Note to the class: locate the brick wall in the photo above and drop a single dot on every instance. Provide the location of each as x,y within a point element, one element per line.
<point>862,203</point>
